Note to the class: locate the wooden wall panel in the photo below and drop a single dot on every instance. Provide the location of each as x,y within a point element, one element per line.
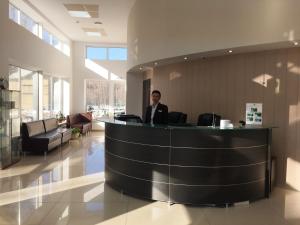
<point>225,84</point>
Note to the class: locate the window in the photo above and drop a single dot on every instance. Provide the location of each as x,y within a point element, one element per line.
<point>96,53</point>
<point>117,54</point>
<point>97,98</point>
<point>119,95</point>
<point>28,23</point>
<point>46,97</point>
<point>66,49</point>
<point>101,53</point>
<point>14,78</point>
<point>42,96</point>
<point>47,37</point>
<point>57,106</point>
<point>66,97</point>
<point>105,98</point>
<point>14,85</point>
<point>56,42</point>
<point>13,13</point>
<point>29,95</point>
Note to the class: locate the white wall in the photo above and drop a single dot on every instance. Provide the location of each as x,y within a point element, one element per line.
<point>81,73</point>
<point>21,48</point>
<point>3,39</point>
<point>29,51</point>
<point>160,29</point>
<point>134,98</point>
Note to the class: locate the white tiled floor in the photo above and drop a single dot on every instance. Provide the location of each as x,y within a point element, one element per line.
<point>68,188</point>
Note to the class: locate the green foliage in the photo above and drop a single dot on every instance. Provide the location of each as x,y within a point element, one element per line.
<point>75,130</point>
<point>60,116</point>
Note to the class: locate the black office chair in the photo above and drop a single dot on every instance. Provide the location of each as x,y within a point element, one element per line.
<point>129,118</point>
<point>177,118</point>
<point>207,119</point>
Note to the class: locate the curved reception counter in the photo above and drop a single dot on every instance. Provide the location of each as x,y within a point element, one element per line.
<point>189,165</point>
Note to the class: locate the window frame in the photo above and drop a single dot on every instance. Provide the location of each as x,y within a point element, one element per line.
<point>39,82</point>
<point>27,19</point>
<point>96,47</point>
<point>62,46</point>
<point>117,59</point>
<point>108,58</point>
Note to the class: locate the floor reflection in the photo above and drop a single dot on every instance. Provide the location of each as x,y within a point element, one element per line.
<point>68,188</point>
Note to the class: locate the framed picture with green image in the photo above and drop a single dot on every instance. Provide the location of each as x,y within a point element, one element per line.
<point>254,113</point>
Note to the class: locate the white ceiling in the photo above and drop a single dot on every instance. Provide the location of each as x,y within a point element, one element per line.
<point>112,13</point>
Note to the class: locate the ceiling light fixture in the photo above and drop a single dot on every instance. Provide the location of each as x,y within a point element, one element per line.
<point>80,14</point>
<point>156,63</point>
<point>185,58</point>
<point>141,68</point>
<point>296,43</point>
<point>93,34</point>
<point>230,51</point>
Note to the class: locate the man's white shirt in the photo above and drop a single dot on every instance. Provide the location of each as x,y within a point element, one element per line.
<point>153,112</point>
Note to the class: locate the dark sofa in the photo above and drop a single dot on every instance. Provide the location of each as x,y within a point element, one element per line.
<point>43,135</point>
<point>83,121</point>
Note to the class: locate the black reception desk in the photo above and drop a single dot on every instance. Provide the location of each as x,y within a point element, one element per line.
<point>189,165</point>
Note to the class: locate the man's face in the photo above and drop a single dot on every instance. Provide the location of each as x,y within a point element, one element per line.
<point>155,98</point>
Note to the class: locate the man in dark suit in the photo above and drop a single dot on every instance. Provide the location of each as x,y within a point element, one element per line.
<point>156,113</point>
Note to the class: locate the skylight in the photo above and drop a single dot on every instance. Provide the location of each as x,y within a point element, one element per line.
<point>83,10</point>
<point>93,34</point>
<point>80,14</point>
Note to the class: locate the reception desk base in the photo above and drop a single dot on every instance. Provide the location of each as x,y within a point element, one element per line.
<point>188,165</point>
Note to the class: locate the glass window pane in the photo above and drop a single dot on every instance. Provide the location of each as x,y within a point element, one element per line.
<point>119,96</point>
<point>46,92</point>
<point>66,49</point>
<point>56,96</point>
<point>66,97</point>
<point>96,53</point>
<point>29,95</point>
<point>97,98</point>
<point>118,54</point>
<point>28,23</point>
<point>13,13</point>
<point>47,36</point>
<point>14,78</point>
<point>55,42</point>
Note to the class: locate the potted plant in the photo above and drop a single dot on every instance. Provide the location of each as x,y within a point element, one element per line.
<point>75,133</point>
<point>60,117</point>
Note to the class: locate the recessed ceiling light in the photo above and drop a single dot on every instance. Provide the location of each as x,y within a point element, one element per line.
<point>185,58</point>
<point>296,43</point>
<point>93,34</point>
<point>230,51</point>
<point>80,14</point>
